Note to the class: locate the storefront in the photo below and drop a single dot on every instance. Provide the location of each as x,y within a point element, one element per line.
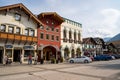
<point>9,51</point>
<point>1,53</point>
<point>28,50</point>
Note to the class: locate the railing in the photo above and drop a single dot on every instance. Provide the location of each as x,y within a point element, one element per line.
<point>17,37</point>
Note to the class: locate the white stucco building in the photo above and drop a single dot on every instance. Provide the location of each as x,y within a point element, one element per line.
<point>71,39</point>
<point>18,32</point>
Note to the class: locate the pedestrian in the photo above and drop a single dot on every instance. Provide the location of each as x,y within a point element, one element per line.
<point>5,60</point>
<point>35,59</point>
<point>21,58</point>
<point>30,59</point>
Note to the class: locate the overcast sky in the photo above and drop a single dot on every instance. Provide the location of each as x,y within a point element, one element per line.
<point>99,18</point>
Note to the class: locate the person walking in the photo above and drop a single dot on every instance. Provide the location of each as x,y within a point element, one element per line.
<point>5,60</point>
<point>21,58</point>
<point>35,59</point>
<point>30,59</point>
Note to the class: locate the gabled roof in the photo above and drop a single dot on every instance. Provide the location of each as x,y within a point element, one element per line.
<point>88,40</point>
<point>53,15</point>
<point>98,40</point>
<point>21,6</point>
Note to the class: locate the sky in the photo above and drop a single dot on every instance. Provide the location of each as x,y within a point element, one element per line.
<point>99,18</point>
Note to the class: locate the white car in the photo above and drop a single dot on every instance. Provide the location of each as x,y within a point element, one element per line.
<point>82,59</point>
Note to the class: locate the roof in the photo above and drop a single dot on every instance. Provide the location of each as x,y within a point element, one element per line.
<point>88,40</point>
<point>26,10</point>
<point>52,14</point>
<point>99,40</point>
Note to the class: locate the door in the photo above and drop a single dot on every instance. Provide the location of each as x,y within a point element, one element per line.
<point>16,55</point>
<point>1,56</point>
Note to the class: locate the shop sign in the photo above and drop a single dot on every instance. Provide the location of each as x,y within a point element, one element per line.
<point>8,46</point>
<point>29,48</point>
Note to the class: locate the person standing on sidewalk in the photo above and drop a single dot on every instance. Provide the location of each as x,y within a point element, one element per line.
<point>5,60</point>
<point>21,58</point>
<point>35,59</point>
<point>30,59</point>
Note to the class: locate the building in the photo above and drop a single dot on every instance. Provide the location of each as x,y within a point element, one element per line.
<point>99,45</point>
<point>49,36</point>
<point>89,46</point>
<point>71,40</point>
<point>18,32</point>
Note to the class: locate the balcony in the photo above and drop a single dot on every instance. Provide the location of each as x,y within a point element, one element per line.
<point>64,39</point>
<point>70,40</point>
<point>75,41</point>
<point>79,42</point>
<point>17,37</point>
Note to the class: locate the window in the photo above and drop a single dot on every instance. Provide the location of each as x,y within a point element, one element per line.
<point>47,28</point>
<point>32,32</point>
<point>57,38</point>
<point>10,29</point>
<point>70,34</point>
<point>74,35</point>
<point>57,30</point>
<point>47,36</point>
<point>52,37</point>
<point>41,27</point>
<point>52,23</point>
<point>17,17</point>
<point>47,22</point>
<point>26,32</point>
<point>17,30</point>
<point>41,35</point>
<point>2,28</point>
<point>79,35</point>
<point>52,29</point>
<point>64,33</point>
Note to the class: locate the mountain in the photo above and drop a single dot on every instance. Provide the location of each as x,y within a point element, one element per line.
<point>106,39</point>
<point>115,38</point>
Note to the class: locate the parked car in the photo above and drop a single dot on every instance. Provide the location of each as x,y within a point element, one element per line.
<point>82,59</point>
<point>117,56</point>
<point>102,57</point>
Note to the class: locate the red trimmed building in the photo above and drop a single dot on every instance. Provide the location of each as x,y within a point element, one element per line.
<point>49,36</point>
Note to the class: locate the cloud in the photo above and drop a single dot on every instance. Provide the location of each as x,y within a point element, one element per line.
<point>105,26</point>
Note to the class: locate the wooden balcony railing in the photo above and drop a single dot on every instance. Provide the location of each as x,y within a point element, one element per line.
<point>17,37</point>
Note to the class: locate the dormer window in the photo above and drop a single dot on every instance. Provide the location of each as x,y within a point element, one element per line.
<point>17,17</point>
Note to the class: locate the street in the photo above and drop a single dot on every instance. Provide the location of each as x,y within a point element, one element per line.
<point>99,70</point>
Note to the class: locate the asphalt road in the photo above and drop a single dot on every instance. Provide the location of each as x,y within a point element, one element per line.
<point>99,70</point>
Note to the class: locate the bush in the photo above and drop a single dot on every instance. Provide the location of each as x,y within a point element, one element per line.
<point>53,60</point>
<point>61,59</point>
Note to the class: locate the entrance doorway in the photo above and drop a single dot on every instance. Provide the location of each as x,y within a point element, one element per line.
<point>1,56</point>
<point>16,55</point>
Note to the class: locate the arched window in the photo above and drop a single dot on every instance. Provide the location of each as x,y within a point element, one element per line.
<point>79,36</point>
<point>70,34</point>
<point>64,33</point>
<point>75,35</point>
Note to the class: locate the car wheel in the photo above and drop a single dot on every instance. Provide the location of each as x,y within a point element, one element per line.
<point>71,61</point>
<point>86,61</point>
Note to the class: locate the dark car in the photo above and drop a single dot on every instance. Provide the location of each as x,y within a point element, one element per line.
<point>102,57</point>
<point>117,56</point>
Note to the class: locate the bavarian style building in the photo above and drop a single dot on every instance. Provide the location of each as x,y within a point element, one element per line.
<point>18,32</point>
